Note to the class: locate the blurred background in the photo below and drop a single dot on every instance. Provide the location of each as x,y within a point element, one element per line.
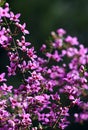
<point>44,16</point>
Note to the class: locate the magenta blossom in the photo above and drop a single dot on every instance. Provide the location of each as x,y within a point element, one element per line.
<point>2,77</point>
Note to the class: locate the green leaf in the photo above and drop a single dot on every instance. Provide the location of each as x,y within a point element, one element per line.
<point>2,2</point>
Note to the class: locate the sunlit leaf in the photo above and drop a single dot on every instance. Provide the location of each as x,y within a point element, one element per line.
<point>2,2</point>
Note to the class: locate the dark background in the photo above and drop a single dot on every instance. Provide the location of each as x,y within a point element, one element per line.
<point>44,16</point>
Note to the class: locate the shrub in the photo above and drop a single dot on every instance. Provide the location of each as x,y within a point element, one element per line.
<point>51,85</point>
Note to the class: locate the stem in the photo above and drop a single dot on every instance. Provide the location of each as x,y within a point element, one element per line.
<point>56,121</point>
<point>14,45</point>
<point>12,37</point>
<point>49,58</point>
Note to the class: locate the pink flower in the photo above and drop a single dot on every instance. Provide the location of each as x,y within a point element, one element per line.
<point>22,28</point>
<point>56,56</point>
<point>72,40</point>
<point>14,17</point>
<point>61,32</point>
<point>23,66</point>
<point>4,12</point>
<point>32,65</point>
<point>43,47</point>
<point>42,98</point>
<point>83,50</point>
<point>6,88</point>
<point>37,76</point>
<point>31,53</point>
<point>58,43</point>
<point>26,119</point>
<point>4,39</point>
<point>2,77</point>
<point>13,102</point>
<point>23,44</point>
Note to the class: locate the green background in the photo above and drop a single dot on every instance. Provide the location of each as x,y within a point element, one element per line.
<point>44,16</point>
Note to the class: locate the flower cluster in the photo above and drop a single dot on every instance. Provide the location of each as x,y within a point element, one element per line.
<point>45,80</point>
